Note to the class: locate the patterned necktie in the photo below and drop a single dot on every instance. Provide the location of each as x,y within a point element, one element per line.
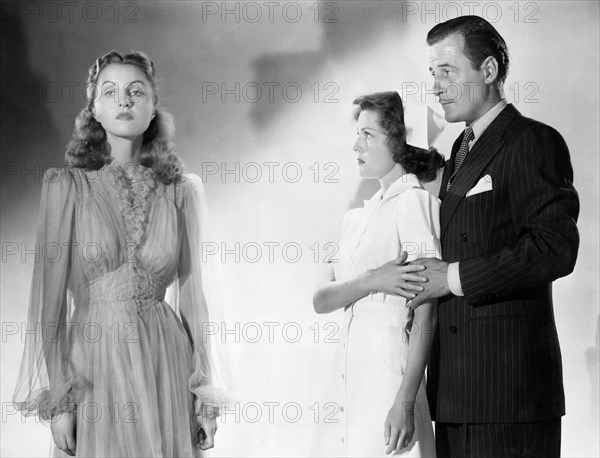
<point>462,153</point>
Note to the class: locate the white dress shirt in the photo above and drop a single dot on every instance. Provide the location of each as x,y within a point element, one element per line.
<point>478,127</point>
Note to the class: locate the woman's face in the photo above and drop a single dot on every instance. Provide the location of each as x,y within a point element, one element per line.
<point>123,101</point>
<point>372,152</point>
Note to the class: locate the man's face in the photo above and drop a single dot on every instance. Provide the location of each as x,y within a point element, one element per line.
<point>461,89</point>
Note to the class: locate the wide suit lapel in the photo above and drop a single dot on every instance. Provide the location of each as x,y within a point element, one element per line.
<point>483,151</point>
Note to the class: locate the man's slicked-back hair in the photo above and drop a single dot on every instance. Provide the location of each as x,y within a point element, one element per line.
<point>481,40</point>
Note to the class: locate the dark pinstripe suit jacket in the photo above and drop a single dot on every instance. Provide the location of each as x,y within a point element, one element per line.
<point>496,356</point>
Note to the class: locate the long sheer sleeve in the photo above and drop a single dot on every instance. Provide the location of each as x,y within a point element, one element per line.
<point>46,385</point>
<point>199,303</point>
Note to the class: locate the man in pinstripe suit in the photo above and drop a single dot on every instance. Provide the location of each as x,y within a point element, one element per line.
<point>508,229</point>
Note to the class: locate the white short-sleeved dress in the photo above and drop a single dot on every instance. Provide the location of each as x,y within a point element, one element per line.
<point>373,346</point>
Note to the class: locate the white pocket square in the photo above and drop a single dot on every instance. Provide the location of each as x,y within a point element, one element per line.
<point>483,185</point>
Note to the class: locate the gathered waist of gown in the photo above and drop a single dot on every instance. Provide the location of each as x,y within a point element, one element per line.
<point>128,286</point>
<point>380,308</point>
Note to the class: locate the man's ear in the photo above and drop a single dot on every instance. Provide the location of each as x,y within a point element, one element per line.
<point>490,69</point>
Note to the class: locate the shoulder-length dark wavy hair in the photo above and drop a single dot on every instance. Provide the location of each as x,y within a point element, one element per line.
<point>388,105</point>
<point>89,149</point>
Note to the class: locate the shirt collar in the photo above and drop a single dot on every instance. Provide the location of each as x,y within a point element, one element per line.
<point>483,123</point>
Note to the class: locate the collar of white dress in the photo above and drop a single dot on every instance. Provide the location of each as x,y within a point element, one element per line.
<point>406,181</point>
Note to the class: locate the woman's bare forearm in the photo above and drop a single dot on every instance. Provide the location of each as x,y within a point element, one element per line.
<point>394,277</point>
<point>334,295</point>
<point>419,347</point>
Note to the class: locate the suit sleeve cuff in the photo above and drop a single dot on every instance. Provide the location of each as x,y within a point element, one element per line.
<point>454,279</point>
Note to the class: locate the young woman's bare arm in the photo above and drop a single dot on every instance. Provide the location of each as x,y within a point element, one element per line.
<point>400,425</point>
<point>393,277</point>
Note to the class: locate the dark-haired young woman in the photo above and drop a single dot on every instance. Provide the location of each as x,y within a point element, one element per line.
<point>384,346</point>
<point>114,369</point>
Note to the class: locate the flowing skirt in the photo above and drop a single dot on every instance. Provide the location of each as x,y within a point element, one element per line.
<point>136,364</point>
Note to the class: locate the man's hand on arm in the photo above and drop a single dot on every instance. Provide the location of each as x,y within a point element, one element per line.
<point>436,286</point>
<point>397,277</point>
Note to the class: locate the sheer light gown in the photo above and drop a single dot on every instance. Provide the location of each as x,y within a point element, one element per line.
<point>372,351</point>
<point>111,241</point>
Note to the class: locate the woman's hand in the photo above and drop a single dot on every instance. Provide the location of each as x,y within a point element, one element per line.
<point>208,429</point>
<point>397,278</point>
<point>399,426</point>
<point>394,278</point>
<point>63,431</point>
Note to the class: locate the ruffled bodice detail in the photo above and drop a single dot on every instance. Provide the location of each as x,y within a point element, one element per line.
<point>133,185</point>
<point>131,283</point>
